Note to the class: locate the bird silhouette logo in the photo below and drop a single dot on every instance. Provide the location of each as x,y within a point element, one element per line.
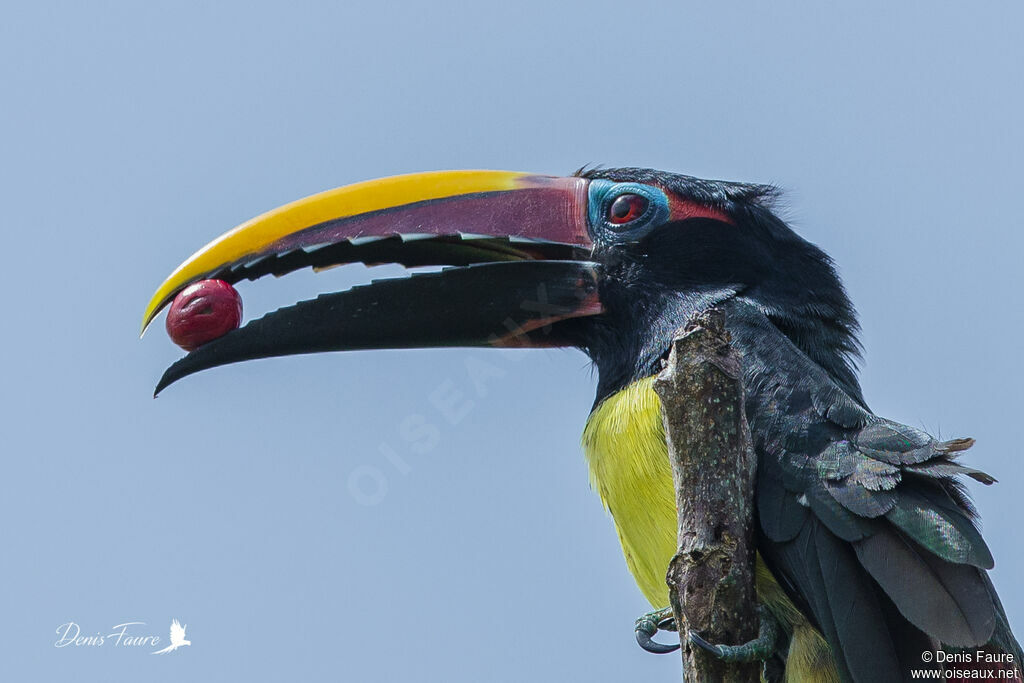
<point>177,638</point>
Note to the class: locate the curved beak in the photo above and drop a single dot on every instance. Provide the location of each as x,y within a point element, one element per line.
<point>493,226</point>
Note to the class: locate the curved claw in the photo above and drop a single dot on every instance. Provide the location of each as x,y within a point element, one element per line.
<point>757,650</point>
<point>646,628</point>
<point>716,650</point>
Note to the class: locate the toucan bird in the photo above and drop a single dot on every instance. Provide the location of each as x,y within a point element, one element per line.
<point>868,552</point>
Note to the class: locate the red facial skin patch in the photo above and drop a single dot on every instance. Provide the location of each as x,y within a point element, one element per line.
<point>682,209</point>
<point>202,312</point>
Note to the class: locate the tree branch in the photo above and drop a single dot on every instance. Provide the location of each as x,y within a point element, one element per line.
<point>711,577</point>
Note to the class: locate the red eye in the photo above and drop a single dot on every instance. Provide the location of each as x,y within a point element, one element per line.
<point>626,208</point>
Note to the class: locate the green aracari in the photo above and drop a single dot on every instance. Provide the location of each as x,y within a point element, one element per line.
<point>868,551</point>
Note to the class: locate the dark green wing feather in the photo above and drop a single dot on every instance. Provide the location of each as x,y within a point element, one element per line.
<point>862,517</point>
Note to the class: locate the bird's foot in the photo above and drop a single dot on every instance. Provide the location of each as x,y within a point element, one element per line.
<point>760,649</point>
<point>649,624</point>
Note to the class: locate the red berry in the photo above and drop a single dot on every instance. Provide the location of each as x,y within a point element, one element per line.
<point>202,312</point>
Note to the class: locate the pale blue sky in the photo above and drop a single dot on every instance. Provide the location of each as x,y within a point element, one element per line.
<point>133,133</point>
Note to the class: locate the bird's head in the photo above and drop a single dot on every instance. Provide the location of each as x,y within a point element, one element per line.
<point>611,261</point>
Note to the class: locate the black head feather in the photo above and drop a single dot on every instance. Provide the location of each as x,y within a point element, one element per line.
<point>654,286</point>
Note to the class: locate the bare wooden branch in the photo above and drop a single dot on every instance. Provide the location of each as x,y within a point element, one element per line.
<point>711,577</point>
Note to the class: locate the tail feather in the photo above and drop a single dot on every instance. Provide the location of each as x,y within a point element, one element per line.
<point>1002,643</point>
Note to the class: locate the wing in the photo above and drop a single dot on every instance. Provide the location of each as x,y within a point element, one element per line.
<point>861,519</point>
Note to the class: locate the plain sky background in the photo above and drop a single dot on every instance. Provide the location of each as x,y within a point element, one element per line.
<point>131,134</point>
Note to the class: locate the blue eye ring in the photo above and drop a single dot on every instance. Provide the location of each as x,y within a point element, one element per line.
<point>640,208</point>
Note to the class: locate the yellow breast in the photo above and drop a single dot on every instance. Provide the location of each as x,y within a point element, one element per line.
<point>624,442</point>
